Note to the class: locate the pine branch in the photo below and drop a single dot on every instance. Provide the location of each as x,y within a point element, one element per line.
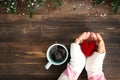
<point>1,2</point>
<point>11,6</point>
<point>32,5</point>
<point>96,2</point>
<point>115,4</point>
<point>40,2</point>
<point>31,8</point>
<point>58,2</point>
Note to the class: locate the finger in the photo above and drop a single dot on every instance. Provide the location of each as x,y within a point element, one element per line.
<point>77,41</point>
<point>87,36</point>
<point>99,37</point>
<point>94,37</point>
<point>91,36</point>
<point>82,36</point>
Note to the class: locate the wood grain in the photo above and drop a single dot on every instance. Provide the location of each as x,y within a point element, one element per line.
<point>24,42</point>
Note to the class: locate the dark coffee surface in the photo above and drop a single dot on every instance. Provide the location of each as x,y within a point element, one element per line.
<point>58,53</point>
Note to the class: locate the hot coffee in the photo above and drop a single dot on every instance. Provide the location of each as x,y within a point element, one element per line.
<point>57,53</point>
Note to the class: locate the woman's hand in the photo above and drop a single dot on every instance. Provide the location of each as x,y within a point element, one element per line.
<point>99,42</point>
<point>82,37</point>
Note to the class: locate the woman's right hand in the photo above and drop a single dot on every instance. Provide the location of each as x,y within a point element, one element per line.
<point>100,43</point>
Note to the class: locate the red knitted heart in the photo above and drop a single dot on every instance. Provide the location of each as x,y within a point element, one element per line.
<point>88,47</point>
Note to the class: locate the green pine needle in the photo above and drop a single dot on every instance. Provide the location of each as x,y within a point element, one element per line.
<point>11,6</point>
<point>96,2</point>
<point>32,6</point>
<point>0,3</point>
<point>40,2</point>
<point>115,4</point>
<point>58,2</point>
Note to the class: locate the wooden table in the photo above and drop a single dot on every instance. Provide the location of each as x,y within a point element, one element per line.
<point>24,41</point>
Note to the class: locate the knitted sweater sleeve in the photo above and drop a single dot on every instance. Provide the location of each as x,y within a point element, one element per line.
<point>97,76</point>
<point>94,66</point>
<point>69,74</point>
<point>76,64</point>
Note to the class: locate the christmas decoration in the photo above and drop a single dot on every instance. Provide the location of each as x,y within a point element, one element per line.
<point>1,3</point>
<point>97,1</point>
<point>58,2</point>
<point>11,5</point>
<point>33,4</point>
<point>88,47</point>
<point>115,5</point>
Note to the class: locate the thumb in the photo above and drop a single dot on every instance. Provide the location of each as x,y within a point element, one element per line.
<point>99,38</point>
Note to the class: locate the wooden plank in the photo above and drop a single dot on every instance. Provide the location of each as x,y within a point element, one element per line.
<point>24,41</point>
<point>22,49</point>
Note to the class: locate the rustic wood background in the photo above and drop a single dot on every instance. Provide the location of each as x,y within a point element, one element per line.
<point>24,41</point>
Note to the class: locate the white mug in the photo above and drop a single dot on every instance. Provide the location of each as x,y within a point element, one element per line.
<point>49,58</point>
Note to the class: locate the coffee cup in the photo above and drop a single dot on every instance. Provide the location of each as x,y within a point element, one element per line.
<point>56,54</point>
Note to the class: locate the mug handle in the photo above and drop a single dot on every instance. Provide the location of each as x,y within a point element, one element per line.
<point>47,66</point>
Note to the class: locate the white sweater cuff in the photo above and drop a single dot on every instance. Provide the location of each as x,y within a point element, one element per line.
<point>94,63</point>
<point>78,59</point>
